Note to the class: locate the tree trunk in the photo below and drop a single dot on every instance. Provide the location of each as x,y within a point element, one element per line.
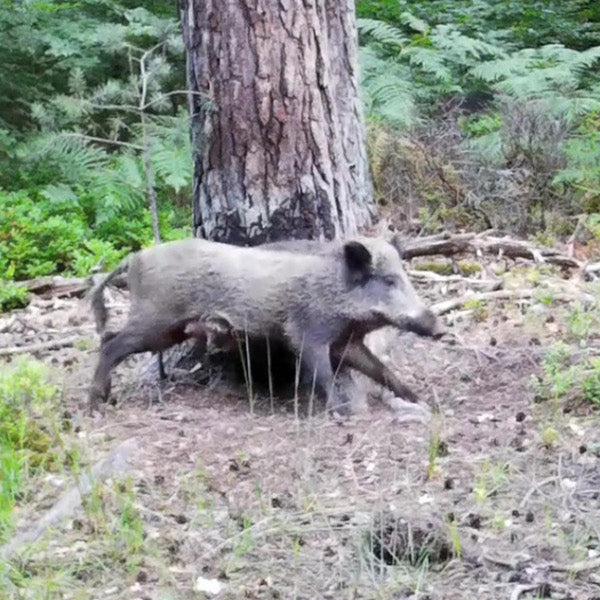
<point>279,146</point>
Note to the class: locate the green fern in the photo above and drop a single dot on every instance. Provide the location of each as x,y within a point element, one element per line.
<point>430,61</point>
<point>387,89</point>
<point>381,32</point>
<point>414,22</point>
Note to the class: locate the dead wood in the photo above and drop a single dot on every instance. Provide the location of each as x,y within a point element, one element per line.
<point>441,308</point>
<point>41,346</point>
<point>58,286</point>
<point>577,567</point>
<point>118,462</point>
<point>449,245</point>
<point>487,284</point>
<point>593,268</point>
<point>446,306</point>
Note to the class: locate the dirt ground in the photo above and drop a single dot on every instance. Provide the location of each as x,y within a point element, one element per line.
<point>498,497</point>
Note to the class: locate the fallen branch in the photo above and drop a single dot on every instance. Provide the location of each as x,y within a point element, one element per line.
<point>577,567</point>
<point>449,245</point>
<point>593,268</point>
<point>57,286</point>
<point>522,589</point>
<point>118,462</point>
<point>488,284</point>
<point>441,308</point>
<point>41,346</point>
<point>520,249</point>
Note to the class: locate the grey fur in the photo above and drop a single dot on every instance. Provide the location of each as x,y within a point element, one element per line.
<point>320,303</point>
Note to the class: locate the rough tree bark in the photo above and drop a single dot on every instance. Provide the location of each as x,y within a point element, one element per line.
<point>277,127</point>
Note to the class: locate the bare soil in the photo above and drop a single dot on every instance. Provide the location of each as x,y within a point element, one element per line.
<point>497,498</point>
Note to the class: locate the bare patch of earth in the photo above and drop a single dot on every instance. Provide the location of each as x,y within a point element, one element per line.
<point>273,503</point>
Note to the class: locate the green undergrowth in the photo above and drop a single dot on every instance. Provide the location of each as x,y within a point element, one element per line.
<point>69,236</point>
<point>29,432</point>
<point>569,375</point>
<point>12,296</point>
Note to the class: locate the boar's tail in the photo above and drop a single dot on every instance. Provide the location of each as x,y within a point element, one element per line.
<point>96,296</point>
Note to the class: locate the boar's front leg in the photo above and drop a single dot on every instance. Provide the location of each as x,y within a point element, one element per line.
<point>316,371</point>
<point>356,355</point>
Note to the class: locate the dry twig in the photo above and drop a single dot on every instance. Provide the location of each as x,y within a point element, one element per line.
<point>41,346</point>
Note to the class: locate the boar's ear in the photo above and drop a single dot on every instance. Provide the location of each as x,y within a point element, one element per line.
<point>397,242</point>
<point>358,258</point>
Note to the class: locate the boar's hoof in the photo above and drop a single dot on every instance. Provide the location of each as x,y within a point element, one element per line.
<point>406,412</point>
<point>340,406</point>
<point>97,397</point>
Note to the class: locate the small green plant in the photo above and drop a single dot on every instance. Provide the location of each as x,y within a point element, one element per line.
<point>546,299</point>
<point>454,535</point>
<point>130,528</point>
<point>498,522</point>
<point>12,296</point>
<point>469,268</point>
<point>562,377</point>
<point>26,443</point>
<point>479,308</point>
<point>549,436</point>
<point>580,322</point>
<point>434,449</point>
<point>591,385</point>
<point>490,479</point>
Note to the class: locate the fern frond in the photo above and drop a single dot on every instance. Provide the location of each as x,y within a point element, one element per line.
<point>120,184</point>
<point>75,160</point>
<point>60,192</point>
<point>382,32</point>
<point>414,22</point>
<point>429,60</point>
<point>173,165</point>
<point>171,150</point>
<point>501,68</point>
<point>462,48</point>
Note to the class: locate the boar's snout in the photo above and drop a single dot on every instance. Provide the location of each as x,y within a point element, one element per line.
<point>426,324</point>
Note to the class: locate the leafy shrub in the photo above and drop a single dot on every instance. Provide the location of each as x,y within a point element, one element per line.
<point>38,237</point>
<point>95,252</point>
<point>12,296</point>
<point>63,234</point>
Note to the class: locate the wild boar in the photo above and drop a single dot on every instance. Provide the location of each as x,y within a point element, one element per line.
<point>321,305</point>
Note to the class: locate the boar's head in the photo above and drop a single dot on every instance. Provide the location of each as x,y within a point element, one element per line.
<point>382,289</point>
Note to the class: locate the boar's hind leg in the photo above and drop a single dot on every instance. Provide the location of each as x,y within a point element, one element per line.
<point>357,356</point>
<point>113,351</point>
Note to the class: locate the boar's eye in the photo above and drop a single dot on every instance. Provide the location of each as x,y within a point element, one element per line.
<point>390,281</point>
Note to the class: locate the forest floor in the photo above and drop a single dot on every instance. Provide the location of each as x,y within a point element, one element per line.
<point>498,497</point>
